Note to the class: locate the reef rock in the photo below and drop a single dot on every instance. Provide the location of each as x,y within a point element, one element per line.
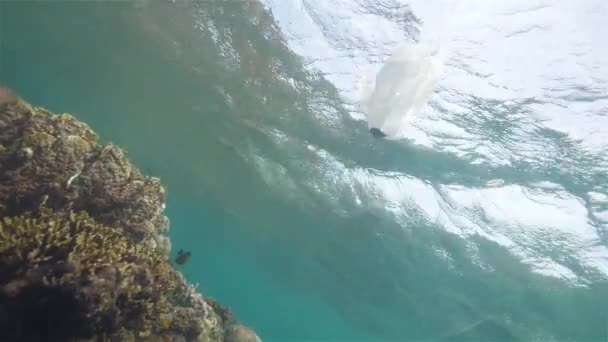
<point>83,250</point>
<point>56,160</point>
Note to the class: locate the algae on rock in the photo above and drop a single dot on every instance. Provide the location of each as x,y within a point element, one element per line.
<point>83,251</point>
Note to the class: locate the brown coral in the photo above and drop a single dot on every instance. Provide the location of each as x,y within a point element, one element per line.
<point>90,276</point>
<point>83,255</point>
<point>57,160</point>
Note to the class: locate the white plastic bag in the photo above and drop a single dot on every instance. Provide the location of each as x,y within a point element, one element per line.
<point>402,88</point>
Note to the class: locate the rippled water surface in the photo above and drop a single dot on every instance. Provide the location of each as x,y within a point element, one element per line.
<point>487,220</point>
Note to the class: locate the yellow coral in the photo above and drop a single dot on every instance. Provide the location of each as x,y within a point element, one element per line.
<point>118,283</point>
<point>64,275</point>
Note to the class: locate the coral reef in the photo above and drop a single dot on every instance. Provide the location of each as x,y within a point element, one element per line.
<point>57,160</point>
<point>83,255</point>
<point>121,288</point>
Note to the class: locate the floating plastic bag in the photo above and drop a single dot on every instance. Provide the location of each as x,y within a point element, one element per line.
<point>402,88</point>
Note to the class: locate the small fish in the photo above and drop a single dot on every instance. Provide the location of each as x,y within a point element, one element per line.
<point>182,257</point>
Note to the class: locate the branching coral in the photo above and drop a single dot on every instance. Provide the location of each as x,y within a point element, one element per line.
<point>82,251</point>
<point>90,275</point>
<point>57,160</point>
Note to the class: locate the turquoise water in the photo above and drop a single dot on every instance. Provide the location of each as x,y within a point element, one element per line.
<point>255,177</point>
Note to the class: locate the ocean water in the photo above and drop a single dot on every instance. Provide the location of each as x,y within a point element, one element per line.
<point>487,221</point>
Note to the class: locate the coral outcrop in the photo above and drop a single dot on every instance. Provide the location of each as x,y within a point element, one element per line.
<point>57,160</point>
<point>83,255</point>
